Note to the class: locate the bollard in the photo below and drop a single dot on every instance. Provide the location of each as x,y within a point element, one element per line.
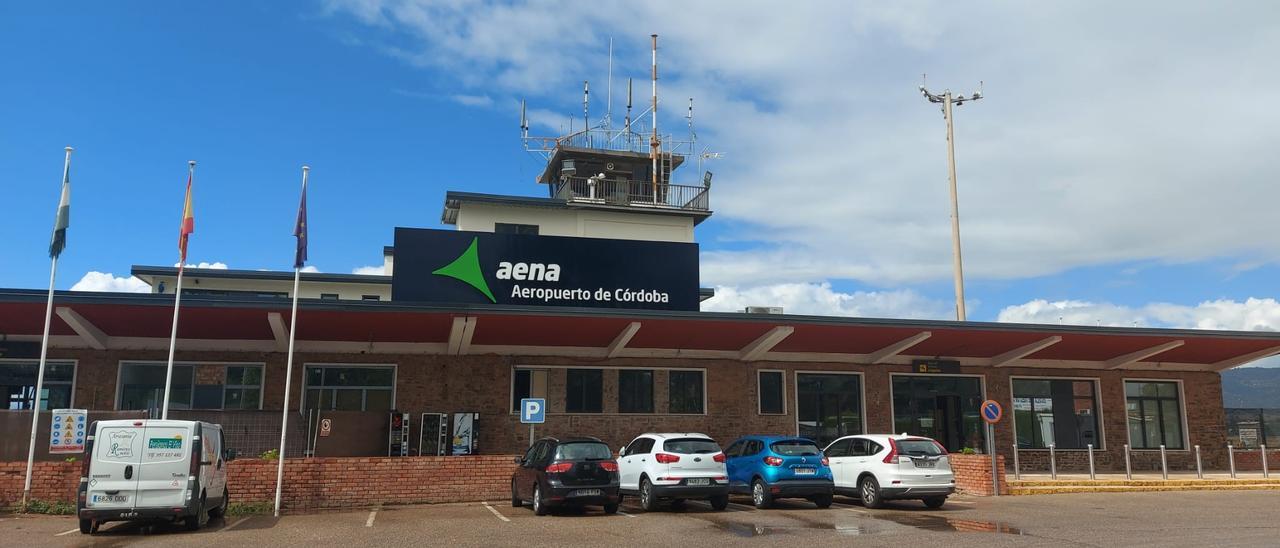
<point>1164,464</point>
<point>1053,463</point>
<point>1266,474</point>
<point>1128,469</point>
<point>1017,471</point>
<point>1231,458</point>
<point>1091,474</point>
<point>1199,467</point>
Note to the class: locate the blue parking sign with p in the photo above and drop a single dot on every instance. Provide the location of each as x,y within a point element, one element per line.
<point>533,410</point>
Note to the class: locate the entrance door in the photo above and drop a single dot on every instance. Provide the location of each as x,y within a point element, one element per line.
<point>948,422</point>
<point>829,406</point>
<point>942,407</point>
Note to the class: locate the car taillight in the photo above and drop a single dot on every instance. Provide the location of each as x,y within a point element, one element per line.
<point>773,461</point>
<point>665,458</point>
<point>892,457</point>
<point>719,457</point>
<point>558,467</point>
<point>609,466</point>
<point>826,461</point>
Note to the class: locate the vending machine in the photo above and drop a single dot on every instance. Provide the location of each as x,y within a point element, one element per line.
<point>433,434</point>
<point>464,434</point>
<point>398,439</point>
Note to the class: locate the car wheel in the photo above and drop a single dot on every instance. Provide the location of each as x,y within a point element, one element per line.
<point>935,502</point>
<point>647,500</point>
<point>760,495</point>
<point>221,510</point>
<point>539,508</point>
<point>823,501</point>
<point>515,498</point>
<point>870,492</point>
<point>611,508</point>
<point>720,503</point>
<point>86,527</point>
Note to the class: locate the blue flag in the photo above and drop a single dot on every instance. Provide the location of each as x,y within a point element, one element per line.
<point>300,230</point>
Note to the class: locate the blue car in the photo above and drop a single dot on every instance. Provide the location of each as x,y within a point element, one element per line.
<point>774,467</point>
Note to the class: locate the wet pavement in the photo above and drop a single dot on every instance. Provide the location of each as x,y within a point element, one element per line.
<point>1132,519</point>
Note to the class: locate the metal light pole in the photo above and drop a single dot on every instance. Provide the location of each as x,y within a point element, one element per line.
<point>948,100</point>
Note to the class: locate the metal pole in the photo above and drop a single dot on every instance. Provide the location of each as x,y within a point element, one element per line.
<point>957,263</point>
<point>1199,464</point>
<point>35,403</point>
<point>1128,466</point>
<point>991,450</point>
<point>1017,470</point>
<point>1231,458</point>
<point>1266,474</point>
<point>530,434</point>
<point>1053,463</point>
<point>654,143</point>
<point>177,302</point>
<point>1164,464</point>
<point>1091,474</point>
<point>288,371</point>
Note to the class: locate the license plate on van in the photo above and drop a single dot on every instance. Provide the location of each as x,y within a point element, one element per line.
<point>111,498</point>
<point>697,481</point>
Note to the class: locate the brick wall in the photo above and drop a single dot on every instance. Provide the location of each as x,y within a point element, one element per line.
<point>1251,461</point>
<point>973,474</point>
<point>313,483</point>
<point>50,481</point>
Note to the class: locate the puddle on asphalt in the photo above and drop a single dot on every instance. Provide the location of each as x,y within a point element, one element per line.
<point>752,530</point>
<point>928,523</point>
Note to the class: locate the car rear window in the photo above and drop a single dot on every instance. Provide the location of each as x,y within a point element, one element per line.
<point>795,448</point>
<point>691,446</point>
<point>918,448</point>
<point>587,450</point>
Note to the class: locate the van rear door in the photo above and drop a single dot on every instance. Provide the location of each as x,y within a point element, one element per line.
<point>166,464</point>
<point>115,466</point>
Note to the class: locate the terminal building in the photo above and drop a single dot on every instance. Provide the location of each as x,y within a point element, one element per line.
<point>589,297</point>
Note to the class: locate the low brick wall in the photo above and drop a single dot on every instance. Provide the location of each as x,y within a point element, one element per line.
<point>973,474</point>
<point>313,483</point>
<point>1252,460</point>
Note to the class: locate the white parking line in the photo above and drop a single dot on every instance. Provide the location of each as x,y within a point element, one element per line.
<point>626,514</point>
<point>237,522</point>
<point>858,510</point>
<point>67,532</point>
<point>495,512</point>
<point>373,514</point>
<point>958,502</point>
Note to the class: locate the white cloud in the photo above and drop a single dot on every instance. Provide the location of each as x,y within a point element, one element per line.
<point>310,268</point>
<point>105,281</point>
<point>821,300</point>
<point>378,270</point>
<point>1073,158</point>
<point>1250,315</point>
<point>472,100</point>
<point>215,266</point>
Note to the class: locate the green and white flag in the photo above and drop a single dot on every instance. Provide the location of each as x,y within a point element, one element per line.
<point>64,215</point>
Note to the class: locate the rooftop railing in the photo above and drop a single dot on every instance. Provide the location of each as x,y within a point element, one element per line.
<point>632,193</point>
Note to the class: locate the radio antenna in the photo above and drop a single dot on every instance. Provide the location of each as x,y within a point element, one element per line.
<point>524,121</point>
<point>608,111</point>
<point>628,124</point>
<point>586,113</point>
<point>654,143</point>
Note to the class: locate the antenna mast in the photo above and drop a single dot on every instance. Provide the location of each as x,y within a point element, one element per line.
<point>608,111</point>
<point>654,143</point>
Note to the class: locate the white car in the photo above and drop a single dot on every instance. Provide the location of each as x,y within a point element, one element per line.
<point>674,467</point>
<point>880,467</point>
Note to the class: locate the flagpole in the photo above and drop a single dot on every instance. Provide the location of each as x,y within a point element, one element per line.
<point>288,368</point>
<point>44,353</point>
<point>177,301</point>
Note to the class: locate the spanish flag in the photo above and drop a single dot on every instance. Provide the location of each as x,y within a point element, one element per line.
<point>188,219</point>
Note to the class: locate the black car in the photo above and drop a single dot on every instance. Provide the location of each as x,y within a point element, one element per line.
<point>566,472</point>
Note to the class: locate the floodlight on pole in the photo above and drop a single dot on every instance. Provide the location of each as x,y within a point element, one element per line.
<point>948,101</point>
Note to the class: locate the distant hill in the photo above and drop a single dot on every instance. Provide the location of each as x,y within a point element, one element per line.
<point>1251,387</point>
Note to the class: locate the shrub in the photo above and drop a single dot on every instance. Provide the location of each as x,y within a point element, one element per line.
<point>249,508</point>
<point>55,508</point>
<point>270,454</point>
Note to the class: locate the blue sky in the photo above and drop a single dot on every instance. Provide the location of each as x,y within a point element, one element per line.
<point>1120,169</point>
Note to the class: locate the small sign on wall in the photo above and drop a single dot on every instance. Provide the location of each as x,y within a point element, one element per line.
<point>935,366</point>
<point>67,430</point>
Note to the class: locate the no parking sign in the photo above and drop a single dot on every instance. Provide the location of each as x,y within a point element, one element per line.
<point>991,411</point>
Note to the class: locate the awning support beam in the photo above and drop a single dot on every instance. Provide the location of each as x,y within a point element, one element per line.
<point>763,344</point>
<point>1246,358</point>
<point>879,356</point>
<point>83,327</point>
<point>279,331</point>
<point>1135,357</point>
<point>1024,351</point>
<point>464,327</point>
<point>620,342</point>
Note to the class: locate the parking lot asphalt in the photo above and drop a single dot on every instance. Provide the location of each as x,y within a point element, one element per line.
<point>1203,518</point>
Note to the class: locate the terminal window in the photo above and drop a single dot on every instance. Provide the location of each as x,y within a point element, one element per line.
<point>527,383</point>
<point>771,390</point>
<point>194,386</point>
<point>635,391</point>
<point>685,392</point>
<point>1062,412</point>
<point>513,228</point>
<point>19,382</point>
<point>350,388</point>
<point>1155,414</point>
<point>584,391</point>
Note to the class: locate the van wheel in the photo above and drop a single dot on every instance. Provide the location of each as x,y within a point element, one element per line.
<point>86,527</point>
<point>192,523</point>
<point>221,510</point>
<point>760,495</point>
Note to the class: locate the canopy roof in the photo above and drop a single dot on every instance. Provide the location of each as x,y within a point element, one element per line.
<point>143,321</point>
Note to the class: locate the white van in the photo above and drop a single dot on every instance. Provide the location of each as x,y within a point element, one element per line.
<point>149,469</point>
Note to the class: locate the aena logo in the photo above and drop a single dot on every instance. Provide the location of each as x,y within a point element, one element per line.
<point>525,271</point>
<point>466,268</point>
